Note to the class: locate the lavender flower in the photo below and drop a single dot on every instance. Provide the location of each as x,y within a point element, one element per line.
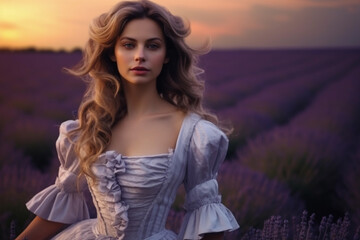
<point>303,228</point>
<point>303,225</point>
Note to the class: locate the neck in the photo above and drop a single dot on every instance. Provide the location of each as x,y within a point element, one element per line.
<point>142,100</point>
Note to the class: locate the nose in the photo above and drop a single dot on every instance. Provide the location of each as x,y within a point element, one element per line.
<point>140,54</point>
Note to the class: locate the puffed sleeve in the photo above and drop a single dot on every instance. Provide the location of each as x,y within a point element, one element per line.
<point>204,211</point>
<point>63,201</point>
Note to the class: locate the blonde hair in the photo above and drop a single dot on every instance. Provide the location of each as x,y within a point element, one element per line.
<point>104,103</point>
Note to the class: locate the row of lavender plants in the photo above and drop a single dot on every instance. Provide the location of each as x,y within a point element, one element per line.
<point>233,86</point>
<point>35,100</point>
<point>276,104</point>
<point>312,154</point>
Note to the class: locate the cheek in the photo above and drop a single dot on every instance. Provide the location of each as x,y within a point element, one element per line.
<point>122,61</point>
<point>120,57</point>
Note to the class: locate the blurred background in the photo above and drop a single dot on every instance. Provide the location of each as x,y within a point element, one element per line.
<point>230,24</point>
<point>284,74</point>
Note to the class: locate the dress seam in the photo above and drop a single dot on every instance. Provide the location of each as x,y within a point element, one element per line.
<point>98,213</point>
<point>155,201</point>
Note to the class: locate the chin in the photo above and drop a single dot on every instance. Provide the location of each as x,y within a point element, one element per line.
<point>139,81</point>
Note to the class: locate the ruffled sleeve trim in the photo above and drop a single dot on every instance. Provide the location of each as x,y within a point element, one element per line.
<point>55,205</point>
<point>209,218</point>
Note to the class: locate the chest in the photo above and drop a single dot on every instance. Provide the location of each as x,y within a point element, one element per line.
<point>147,137</point>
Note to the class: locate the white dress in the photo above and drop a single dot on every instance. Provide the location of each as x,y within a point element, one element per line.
<point>134,194</point>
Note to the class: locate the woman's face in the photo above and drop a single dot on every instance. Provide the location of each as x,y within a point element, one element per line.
<point>140,51</point>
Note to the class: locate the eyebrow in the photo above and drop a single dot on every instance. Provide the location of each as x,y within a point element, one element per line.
<point>148,40</point>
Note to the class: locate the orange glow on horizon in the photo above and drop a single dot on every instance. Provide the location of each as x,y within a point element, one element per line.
<point>9,35</point>
<point>64,24</point>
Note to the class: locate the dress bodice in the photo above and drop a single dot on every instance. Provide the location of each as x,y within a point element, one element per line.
<point>126,191</point>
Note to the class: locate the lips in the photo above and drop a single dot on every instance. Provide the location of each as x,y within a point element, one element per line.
<point>139,69</point>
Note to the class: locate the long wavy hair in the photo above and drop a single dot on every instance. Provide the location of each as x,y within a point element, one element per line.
<point>104,104</point>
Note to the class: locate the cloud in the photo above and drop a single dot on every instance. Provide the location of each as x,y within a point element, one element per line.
<point>226,22</point>
<point>230,22</point>
<point>281,18</point>
<point>310,27</point>
<point>245,5</point>
<point>7,26</point>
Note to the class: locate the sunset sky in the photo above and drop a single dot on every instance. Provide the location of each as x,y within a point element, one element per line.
<point>227,23</point>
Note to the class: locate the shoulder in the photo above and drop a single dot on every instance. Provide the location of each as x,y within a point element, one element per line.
<point>204,130</point>
<point>208,129</point>
<point>201,136</point>
<point>65,143</point>
<point>206,137</point>
<point>68,126</point>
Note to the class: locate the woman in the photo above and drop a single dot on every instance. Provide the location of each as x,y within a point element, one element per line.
<point>141,132</point>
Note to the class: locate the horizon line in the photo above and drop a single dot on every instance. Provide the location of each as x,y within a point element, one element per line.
<point>80,49</point>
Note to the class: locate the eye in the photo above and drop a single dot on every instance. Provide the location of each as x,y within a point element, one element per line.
<point>128,45</point>
<point>153,46</point>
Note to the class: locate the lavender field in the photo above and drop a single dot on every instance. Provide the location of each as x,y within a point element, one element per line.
<point>293,166</point>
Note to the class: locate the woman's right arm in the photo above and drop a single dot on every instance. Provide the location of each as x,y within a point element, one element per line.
<point>62,203</point>
<point>40,229</point>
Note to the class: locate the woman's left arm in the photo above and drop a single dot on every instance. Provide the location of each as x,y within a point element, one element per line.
<point>206,216</point>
